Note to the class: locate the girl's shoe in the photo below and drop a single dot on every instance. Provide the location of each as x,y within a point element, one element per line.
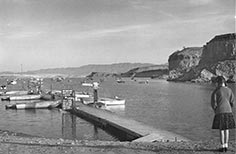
<point>222,150</point>
<point>225,149</point>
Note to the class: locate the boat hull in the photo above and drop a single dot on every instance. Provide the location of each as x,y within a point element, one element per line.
<point>78,96</point>
<point>14,93</point>
<point>35,105</point>
<point>24,97</point>
<point>111,102</point>
<point>104,101</point>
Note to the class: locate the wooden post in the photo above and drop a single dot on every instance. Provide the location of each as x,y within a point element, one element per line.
<point>68,97</point>
<point>68,126</point>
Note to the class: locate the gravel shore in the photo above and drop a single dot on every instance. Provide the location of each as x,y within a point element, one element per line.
<point>12,143</point>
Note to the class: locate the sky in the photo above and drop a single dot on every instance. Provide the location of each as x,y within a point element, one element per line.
<point>39,34</point>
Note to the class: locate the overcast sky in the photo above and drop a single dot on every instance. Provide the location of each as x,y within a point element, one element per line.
<point>71,33</point>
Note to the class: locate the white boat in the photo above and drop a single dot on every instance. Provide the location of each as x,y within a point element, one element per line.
<point>13,82</point>
<point>16,93</point>
<point>112,101</point>
<point>143,82</point>
<point>120,81</point>
<point>116,108</point>
<point>87,84</point>
<point>79,95</point>
<point>104,101</point>
<point>21,97</point>
<point>35,105</point>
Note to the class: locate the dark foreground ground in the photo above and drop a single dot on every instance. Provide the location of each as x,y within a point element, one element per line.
<point>11,143</point>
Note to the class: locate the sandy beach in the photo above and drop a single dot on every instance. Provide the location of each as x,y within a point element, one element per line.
<point>13,143</point>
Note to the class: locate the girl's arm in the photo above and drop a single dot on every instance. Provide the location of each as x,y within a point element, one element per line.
<point>232,99</point>
<point>213,101</point>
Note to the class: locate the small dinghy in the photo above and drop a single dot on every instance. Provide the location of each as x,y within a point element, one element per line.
<point>79,95</point>
<point>112,101</point>
<point>35,105</point>
<point>15,93</point>
<point>105,101</point>
<point>120,81</point>
<point>21,98</point>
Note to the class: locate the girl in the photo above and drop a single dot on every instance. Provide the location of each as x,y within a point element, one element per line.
<point>222,101</point>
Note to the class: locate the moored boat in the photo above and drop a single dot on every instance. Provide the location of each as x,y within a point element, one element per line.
<point>1,93</point>
<point>112,101</point>
<point>104,101</point>
<point>15,93</point>
<point>79,95</point>
<point>21,97</point>
<point>35,105</point>
<point>120,81</point>
<point>115,108</point>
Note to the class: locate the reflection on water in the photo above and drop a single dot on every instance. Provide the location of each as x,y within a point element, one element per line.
<point>68,126</point>
<point>95,136</point>
<point>182,108</point>
<point>50,123</point>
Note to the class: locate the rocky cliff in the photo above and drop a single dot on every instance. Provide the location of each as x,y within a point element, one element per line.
<point>181,62</point>
<point>217,57</point>
<point>220,48</point>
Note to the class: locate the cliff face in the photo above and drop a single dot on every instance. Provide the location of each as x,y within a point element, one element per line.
<point>227,68</point>
<point>217,57</point>
<point>181,62</point>
<point>220,48</point>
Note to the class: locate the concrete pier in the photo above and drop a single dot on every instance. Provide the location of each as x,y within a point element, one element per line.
<point>127,129</point>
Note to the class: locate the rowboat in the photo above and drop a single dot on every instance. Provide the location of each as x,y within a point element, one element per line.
<point>79,95</point>
<point>112,101</point>
<point>120,81</point>
<point>15,93</point>
<point>105,101</point>
<point>35,105</point>
<point>143,82</point>
<point>115,108</point>
<point>21,97</point>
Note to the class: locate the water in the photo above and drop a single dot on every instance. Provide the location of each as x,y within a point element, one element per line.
<point>182,108</point>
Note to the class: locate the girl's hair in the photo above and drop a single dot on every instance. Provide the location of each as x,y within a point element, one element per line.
<point>220,79</point>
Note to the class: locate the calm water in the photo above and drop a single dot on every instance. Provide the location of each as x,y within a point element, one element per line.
<point>181,108</point>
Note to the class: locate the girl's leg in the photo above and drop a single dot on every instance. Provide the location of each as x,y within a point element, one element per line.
<point>226,137</point>
<point>222,137</point>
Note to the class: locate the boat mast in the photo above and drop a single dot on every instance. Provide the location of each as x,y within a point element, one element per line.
<point>21,69</point>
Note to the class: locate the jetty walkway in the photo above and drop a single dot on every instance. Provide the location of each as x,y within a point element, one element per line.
<point>125,128</point>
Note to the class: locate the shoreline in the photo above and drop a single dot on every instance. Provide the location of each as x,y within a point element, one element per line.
<point>23,143</point>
